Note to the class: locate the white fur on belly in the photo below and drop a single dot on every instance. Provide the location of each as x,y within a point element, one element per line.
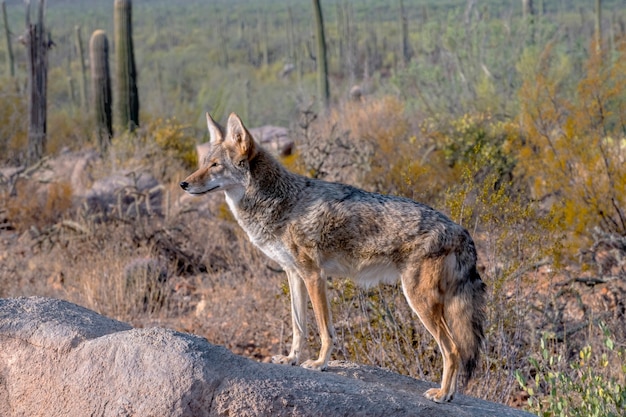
<point>366,276</point>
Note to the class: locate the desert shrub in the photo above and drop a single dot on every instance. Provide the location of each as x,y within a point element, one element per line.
<point>123,267</point>
<point>175,140</point>
<point>592,384</point>
<point>514,238</point>
<point>371,144</point>
<point>378,327</point>
<point>573,145</point>
<point>477,138</point>
<point>37,205</point>
<point>68,129</point>
<point>343,145</point>
<point>65,128</point>
<point>118,283</point>
<point>164,148</point>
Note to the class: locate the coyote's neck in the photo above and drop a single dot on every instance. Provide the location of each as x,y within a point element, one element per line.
<point>268,197</point>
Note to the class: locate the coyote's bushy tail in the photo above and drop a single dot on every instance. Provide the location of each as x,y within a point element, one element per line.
<point>465,313</point>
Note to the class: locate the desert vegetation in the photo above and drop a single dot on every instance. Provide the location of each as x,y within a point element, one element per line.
<point>510,117</point>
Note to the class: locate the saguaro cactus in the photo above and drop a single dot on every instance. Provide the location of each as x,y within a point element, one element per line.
<point>598,25</point>
<point>7,32</point>
<point>404,35</point>
<point>127,96</point>
<point>322,64</point>
<point>37,44</point>
<point>83,69</point>
<point>101,87</point>
<point>528,10</point>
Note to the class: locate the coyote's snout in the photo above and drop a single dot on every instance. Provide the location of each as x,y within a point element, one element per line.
<point>315,229</point>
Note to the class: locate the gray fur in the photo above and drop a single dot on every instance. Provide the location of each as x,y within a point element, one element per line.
<point>315,229</point>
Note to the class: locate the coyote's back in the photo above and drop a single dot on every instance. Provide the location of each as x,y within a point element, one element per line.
<point>315,229</point>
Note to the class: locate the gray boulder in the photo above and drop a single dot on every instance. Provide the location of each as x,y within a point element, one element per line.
<point>59,359</point>
<point>127,194</point>
<point>273,138</point>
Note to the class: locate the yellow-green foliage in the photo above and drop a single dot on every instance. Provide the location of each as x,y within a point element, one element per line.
<point>594,384</point>
<point>172,137</point>
<point>166,148</point>
<point>293,163</point>
<point>513,231</point>
<point>574,147</point>
<point>424,166</point>
<point>475,139</point>
<point>513,237</point>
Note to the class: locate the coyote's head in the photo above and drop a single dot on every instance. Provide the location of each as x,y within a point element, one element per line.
<point>226,165</point>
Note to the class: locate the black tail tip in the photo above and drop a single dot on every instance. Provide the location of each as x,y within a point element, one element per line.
<point>470,366</point>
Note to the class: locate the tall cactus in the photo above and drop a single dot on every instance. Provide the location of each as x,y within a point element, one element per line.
<point>7,32</point>
<point>126,73</point>
<point>528,13</point>
<point>263,37</point>
<point>291,54</point>
<point>404,35</point>
<point>83,68</point>
<point>101,87</point>
<point>322,64</point>
<point>37,42</point>
<point>598,25</point>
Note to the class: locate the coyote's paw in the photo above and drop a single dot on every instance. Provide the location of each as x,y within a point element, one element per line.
<point>438,396</point>
<point>284,360</point>
<point>315,365</point>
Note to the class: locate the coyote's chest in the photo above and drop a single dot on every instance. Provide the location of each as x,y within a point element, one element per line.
<point>270,245</point>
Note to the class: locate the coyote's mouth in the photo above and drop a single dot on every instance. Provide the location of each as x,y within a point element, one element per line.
<point>206,191</point>
<point>186,186</point>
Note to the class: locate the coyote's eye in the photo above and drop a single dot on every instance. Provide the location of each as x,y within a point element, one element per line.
<point>213,165</point>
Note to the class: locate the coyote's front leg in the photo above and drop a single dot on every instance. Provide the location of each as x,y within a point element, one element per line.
<point>316,287</point>
<point>297,292</point>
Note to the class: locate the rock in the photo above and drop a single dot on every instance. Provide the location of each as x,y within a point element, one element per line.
<point>273,138</point>
<point>126,194</point>
<point>59,359</point>
<point>69,167</point>
<point>356,93</point>
<point>287,69</point>
<point>73,167</point>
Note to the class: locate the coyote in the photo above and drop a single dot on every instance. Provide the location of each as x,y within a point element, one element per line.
<point>315,229</point>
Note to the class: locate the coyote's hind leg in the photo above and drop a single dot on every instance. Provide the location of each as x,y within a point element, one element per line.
<point>423,291</point>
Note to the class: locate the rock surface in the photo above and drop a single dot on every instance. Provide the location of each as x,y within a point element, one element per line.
<point>59,359</point>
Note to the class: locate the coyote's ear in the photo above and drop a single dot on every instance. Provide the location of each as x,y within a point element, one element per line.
<point>215,131</point>
<point>240,137</point>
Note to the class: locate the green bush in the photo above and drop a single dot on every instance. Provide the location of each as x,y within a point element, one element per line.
<point>587,387</point>
<point>172,138</point>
